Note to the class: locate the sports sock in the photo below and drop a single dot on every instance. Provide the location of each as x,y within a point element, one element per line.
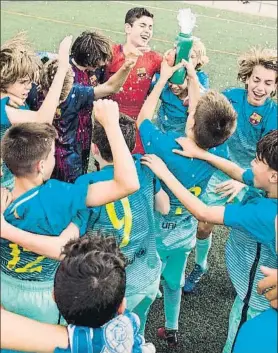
<point>172,302</point>
<point>202,250</point>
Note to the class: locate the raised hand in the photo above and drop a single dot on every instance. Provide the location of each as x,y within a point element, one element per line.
<point>64,51</point>
<point>166,71</point>
<point>106,112</point>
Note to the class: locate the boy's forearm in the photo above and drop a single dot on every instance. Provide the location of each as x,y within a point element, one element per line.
<point>228,167</point>
<point>195,206</point>
<point>125,173</point>
<point>194,96</point>
<point>116,81</point>
<point>47,111</point>
<point>148,108</point>
<point>193,92</point>
<point>48,246</point>
<point>24,334</point>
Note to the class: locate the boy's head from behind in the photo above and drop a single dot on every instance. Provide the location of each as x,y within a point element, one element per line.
<point>47,75</point>
<point>90,282</point>
<point>100,144</point>
<point>19,66</point>
<point>139,26</point>
<point>91,50</point>
<point>258,70</point>
<point>28,150</point>
<point>214,120</point>
<point>265,165</point>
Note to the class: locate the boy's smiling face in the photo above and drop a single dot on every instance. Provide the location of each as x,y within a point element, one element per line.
<point>140,32</point>
<point>20,88</point>
<point>263,174</point>
<point>261,84</point>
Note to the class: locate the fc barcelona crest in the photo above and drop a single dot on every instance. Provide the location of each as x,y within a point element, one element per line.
<point>255,119</point>
<point>93,80</point>
<point>141,72</point>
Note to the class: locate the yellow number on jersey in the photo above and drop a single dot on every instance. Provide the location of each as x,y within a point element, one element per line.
<point>125,222</point>
<point>29,267</point>
<point>196,190</point>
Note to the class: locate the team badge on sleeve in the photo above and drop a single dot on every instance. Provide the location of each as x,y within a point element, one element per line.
<point>255,119</point>
<point>141,72</point>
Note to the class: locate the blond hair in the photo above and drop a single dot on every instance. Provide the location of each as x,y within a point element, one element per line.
<point>48,72</point>
<point>256,56</point>
<point>18,60</point>
<point>200,51</point>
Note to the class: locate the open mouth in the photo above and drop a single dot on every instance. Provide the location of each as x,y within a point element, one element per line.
<point>145,37</point>
<point>258,95</point>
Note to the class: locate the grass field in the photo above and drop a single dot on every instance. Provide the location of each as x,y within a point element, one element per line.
<point>204,317</point>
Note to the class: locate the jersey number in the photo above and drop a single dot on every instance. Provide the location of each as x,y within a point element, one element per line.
<point>125,222</point>
<point>29,267</point>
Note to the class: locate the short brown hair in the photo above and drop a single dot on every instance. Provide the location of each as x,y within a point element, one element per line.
<point>214,120</point>
<point>91,48</point>
<point>99,136</point>
<point>135,13</point>
<point>257,56</point>
<point>48,73</point>
<point>23,145</point>
<point>18,60</point>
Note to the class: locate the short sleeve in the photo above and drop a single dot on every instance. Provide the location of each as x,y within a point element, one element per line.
<point>83,95</point>
<point>248,177</point>
<point>254,217</point>
<point>271,119</point>
<point>4,117</point>
<point>203,79</point>
<point>157,185</point>
<point>154,140</point>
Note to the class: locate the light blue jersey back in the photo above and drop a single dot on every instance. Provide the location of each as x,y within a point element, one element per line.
<point>194,174</point>
<point>7,179</point>
<point>173,112</point>
<point>252,124</point>
<point>132,221</point>
<point>251,243</point>
<point>47,209</point>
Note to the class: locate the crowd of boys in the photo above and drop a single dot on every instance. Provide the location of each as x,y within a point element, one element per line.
<point>83,253</point>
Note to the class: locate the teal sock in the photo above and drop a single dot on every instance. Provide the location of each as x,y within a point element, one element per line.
<point>202,250</point>
<point>172,303</point>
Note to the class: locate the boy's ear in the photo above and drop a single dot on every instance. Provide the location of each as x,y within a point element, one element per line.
<point>128,28</point>
<point>94,149</point>
<point>40,166</point>
<point>122,307</point>
<point>274,177</point>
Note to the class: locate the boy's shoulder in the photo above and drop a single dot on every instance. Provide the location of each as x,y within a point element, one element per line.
<point>118,335</point>
<point>234,94</point>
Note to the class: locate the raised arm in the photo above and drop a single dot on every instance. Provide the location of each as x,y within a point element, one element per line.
<point>191,150</point>
<point>195,206</point>
<point>116,81</point>
<point>148,108</point>
<point>193,94</point>
<point>47,111</point>
<point>125,180</point>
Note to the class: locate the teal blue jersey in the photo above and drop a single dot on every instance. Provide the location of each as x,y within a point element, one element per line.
<point>178,227</point>
<point>252,124</point>
<point>132,221</point>
<point>46,209</point>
